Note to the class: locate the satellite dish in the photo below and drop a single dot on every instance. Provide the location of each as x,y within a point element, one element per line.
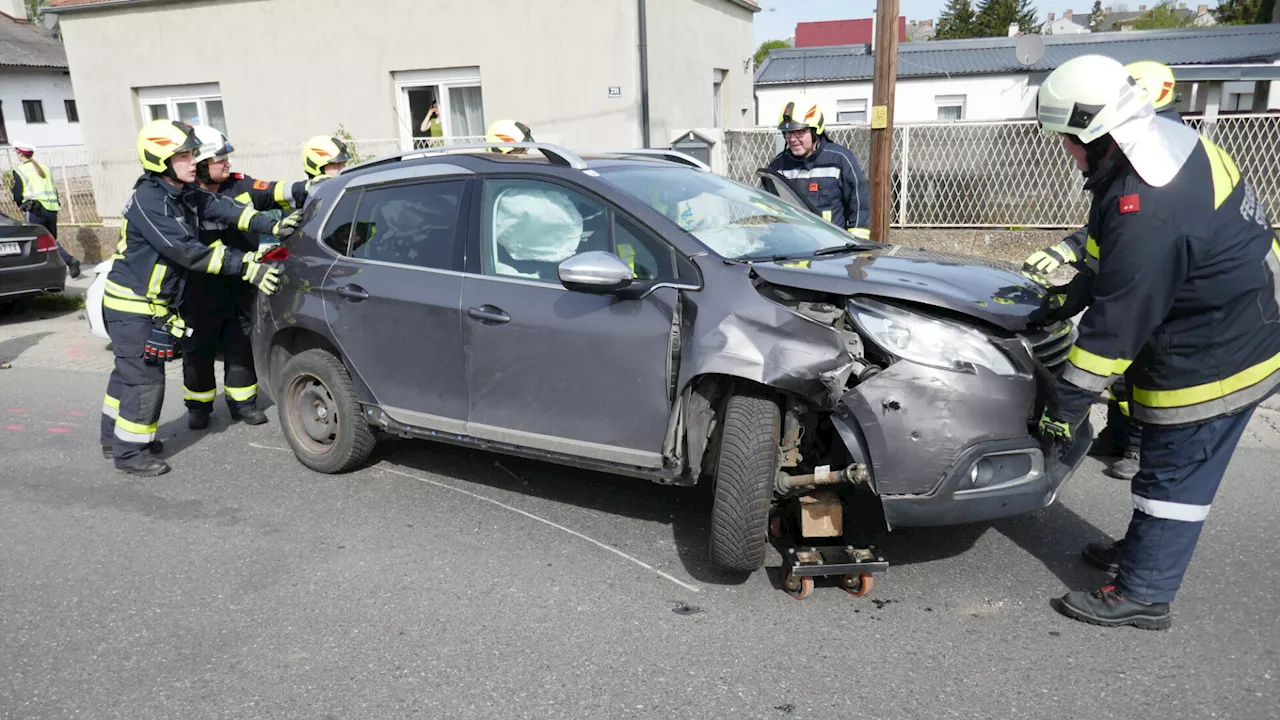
<point>1029,49</point>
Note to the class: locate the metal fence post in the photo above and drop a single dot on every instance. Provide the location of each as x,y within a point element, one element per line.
<point>905,175</point>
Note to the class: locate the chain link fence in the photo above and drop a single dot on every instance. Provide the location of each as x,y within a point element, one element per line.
<point>69,167</point>
<point>1004,174</point>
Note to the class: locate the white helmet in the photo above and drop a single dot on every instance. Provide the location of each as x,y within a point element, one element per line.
<point>1089,96</point>
<point>24,147</point>
<point>213,144</point>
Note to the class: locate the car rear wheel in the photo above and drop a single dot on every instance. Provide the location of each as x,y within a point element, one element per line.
<point>320,415</point>
<point>744,480</point>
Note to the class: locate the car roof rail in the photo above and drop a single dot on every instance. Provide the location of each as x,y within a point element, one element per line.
<point>554,153</point>
<point>669,155</point>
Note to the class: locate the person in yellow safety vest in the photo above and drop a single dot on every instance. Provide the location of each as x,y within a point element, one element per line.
<point>35,193</point>
<point>159,244</point>
<point>1121,437</point>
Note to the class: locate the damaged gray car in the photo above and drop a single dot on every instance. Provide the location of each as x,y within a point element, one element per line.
<point>639,315</point>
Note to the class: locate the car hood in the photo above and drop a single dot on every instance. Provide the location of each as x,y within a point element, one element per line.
<point>990,290</point>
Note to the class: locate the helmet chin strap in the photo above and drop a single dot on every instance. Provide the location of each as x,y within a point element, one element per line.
<point>202,173</point>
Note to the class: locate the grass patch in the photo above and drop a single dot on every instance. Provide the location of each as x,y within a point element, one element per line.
<point>57,302</point>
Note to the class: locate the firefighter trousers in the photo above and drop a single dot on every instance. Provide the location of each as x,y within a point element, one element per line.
<point>1181,469</point>
<point>217,324</point>
<point>135,392</point>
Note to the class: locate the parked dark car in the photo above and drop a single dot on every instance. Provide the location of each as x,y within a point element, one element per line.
<point>29,263</point>
<point>644,317</point>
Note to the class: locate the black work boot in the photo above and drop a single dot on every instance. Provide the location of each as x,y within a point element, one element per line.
<point>155,447</point>
<point>1127,466</point>
<point>1105,445</point>
<point>1109,607</point>
<point>197,419</point>
<point>74,268</point>
<point>249,415</point>
<point>1104,556</point>
<point>144,466</point>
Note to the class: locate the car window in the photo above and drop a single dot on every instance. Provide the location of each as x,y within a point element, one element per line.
<point>414,224</point>
<point>337,231</point>
<point>530,226</point>
<point>649,259</point>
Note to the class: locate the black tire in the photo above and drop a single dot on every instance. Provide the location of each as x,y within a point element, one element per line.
<point>333,441</point>
<point>744,480</point>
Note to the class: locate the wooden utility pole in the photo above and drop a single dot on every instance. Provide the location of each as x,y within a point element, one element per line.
<point>881,177</point>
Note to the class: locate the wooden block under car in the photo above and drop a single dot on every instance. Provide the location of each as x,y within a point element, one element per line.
<point>821,515</point>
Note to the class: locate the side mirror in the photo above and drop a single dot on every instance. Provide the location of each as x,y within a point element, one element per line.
<point>595,272</point>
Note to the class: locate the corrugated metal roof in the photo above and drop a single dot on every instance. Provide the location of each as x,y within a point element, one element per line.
<point>25,44</point>
<point>982,56</point>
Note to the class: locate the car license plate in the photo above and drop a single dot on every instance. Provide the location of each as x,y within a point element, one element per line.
<point>10,248</point>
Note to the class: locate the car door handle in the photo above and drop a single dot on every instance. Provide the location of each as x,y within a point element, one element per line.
<point>353,292</point>
<point>489,315</point>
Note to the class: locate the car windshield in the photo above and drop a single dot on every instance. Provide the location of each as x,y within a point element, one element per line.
<point>735,221</point>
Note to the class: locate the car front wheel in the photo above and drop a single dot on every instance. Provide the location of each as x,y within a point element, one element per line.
<point>744,481</point>
<point>320,415</point>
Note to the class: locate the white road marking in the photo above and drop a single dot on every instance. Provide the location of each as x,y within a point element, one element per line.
<point>383,467</point>
<point>544,521</point>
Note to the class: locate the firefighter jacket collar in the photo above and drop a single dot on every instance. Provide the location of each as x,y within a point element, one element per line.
<point>1156,147</point>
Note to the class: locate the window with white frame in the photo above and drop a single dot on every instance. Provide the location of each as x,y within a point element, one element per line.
<point>192,104</point>
<point>437,104</point>
<point>851,111</point>
<point>950,107</point>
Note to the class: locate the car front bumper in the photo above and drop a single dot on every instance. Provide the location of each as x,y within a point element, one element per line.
<point>947,448</point>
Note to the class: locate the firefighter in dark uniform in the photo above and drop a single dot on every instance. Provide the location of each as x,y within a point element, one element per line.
<point>219,305</point>
<point>819,169</point>
<point>1184,302</point>
<point>1122,436</point>
<point>158,246</point>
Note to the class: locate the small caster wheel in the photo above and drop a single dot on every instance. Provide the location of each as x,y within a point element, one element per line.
<point>858,585</point>
<point>797,587</point>
<point>776,530</point>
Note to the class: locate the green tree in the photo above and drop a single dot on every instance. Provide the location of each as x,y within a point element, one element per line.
<point>1096,17</point>
<point>957,21</point>
<point>1241,12</point>
<point>995,17</point>
<point>35,8</point>
<point>762,52</point>
<point>1162,17</point>
<point>345,136</point>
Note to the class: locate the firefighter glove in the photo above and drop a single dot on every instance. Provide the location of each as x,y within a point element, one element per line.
<point>288,226</point>
<point>264,277</point>
<point>159,347</point>
<point>1049,259</point>
<point>1057,430</point>
<point>313,182</point>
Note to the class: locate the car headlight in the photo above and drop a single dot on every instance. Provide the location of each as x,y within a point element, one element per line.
<point>928,341</point>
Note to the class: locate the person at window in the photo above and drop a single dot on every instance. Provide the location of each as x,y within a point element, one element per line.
<point>36,195</point>
<point>821,170</point>
<point>431,126</point>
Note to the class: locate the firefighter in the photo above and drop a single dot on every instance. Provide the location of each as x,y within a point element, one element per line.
<point>324,155</point>
<point>819,169</point>
<point>219,305</point>
<point>1122,435</point>
<point>1184,303</point>
<point>159,244</point>
<point>509,131</point>
<point>36,195</point>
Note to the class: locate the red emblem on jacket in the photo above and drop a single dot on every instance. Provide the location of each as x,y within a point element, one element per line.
<point>1129,204</point>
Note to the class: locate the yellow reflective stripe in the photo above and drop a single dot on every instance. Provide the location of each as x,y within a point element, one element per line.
<point>133,432</point>
<point>244,198</point>
<point>281,200</point>
<point>1225,173</point>
<point>134,306</point>
<point>1096,364</point>
<point>1067,253</point>
<point>123,242</point>
<point>1124,408</point>
<point>628,255</point>
<point>111,407</point>
<point>189,394</point>
<point>1275,247</point>
<point>243,223</point>
<point>241,394</point>
<point>1091,247</point>
<point>216,257</point>
<point>860,233</point>
<point>1208,391</point>
<point>826,215</point>
<point>157,280</point>
<point>119,290</point>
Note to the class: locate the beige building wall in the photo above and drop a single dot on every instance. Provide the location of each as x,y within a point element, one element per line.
<point>287,69</point>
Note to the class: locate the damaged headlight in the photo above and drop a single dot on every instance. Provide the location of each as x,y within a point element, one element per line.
<point>931,342</point>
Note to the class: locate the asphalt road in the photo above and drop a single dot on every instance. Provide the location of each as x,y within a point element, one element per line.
<point>445,583</point>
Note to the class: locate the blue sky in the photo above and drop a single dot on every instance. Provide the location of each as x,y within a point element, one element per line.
<point>778,18</point>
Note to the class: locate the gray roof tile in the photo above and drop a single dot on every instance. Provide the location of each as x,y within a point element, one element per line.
<point>28,45</point>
